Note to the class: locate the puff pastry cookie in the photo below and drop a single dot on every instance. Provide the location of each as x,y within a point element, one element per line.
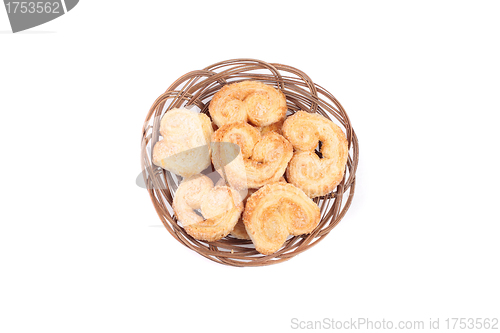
<point>314,175</point>
<point>252,101</point>
<point>274,127</point>
<point>276,211</point>
<point>239,230</point>
<point>260,160</point>
<point>185,147</point>
<point>220,207</point>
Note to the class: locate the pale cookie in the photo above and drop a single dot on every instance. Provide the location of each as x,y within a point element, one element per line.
<point>220,208</point>
<point>185,147</point>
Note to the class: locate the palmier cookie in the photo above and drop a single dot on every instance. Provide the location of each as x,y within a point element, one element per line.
<point>185,147</point>
<point>252,101</point>
<point>276,211</point>
<point>265,158</point>
<point>220,206</point>
<point>239,230</point>
<point>274,127</point>
<point>314,175</point>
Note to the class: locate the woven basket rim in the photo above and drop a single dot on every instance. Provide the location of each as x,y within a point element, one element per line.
<point>196,88</point>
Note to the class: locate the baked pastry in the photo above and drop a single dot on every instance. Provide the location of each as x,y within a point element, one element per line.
<point>314,175</point>
<point>259,160</point>
<point>239,230</point>
<point>252,101</point>
<point>185,147</point>
<point>276,211</point>
<point>274,127</point>
<point>220,208</point>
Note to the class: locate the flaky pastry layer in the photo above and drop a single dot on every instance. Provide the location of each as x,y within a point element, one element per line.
<point>276,211</point>
<point>261,160</point>
<point>252,101</point>
<point>185,147</point>
<point>314,175</point>
<point>220,208</point>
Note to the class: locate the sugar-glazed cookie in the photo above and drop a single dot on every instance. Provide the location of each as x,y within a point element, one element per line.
<point>260,160</point>
<point>276,211</point>
<point>220,208</point>
<point>252,101</point>
<point>314,175</point>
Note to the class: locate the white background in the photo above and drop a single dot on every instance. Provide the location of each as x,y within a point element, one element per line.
<point>81,246</point>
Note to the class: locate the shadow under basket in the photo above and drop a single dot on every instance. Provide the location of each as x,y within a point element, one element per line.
<point>196,89</point>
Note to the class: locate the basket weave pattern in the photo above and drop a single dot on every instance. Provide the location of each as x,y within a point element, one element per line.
<point>197,88</point>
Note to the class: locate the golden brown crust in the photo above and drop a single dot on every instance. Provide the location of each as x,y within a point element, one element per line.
<point>276,211</point>
<point>185,147</point>
<point>239,230</point>
<point>220,207</point>
<point>252,101</point>
<point>240,133</point>
<point>314,175</point>
<point>263,159</point>
<point>274,127</point>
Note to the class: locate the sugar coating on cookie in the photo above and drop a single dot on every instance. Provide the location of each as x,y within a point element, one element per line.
<point>220,208</point>
<point>263,158</point>
<point>314,175</point>
<point>252,101</point>
<point>239,230</point>
<point>276,211</point>
<point>185,146</point>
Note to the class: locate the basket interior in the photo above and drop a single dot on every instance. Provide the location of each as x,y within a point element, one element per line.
<point>195,90</point>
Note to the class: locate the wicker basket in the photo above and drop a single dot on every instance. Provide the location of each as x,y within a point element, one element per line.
<point>196,89</point>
